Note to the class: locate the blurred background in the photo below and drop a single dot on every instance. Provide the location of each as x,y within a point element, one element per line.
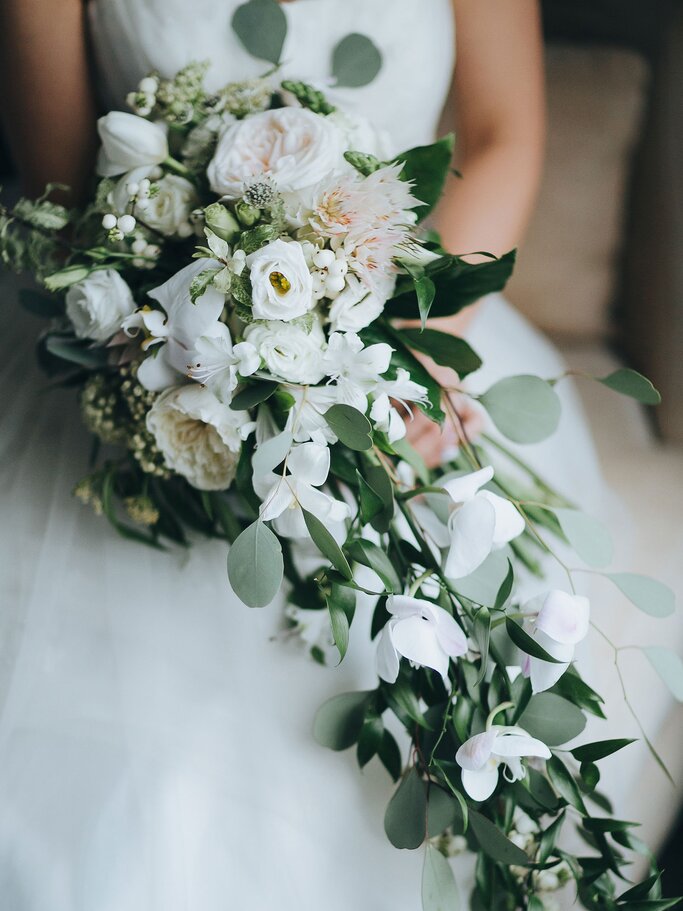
<point>602,269</point>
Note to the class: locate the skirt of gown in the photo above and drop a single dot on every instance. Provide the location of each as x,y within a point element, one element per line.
<point>155,737</point>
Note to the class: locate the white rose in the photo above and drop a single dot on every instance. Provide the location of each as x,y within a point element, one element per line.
<point>292,145</point>
<point>289,351</point>
<point>129,142</point>
<point>355,308</point>
<point>172,205</point>
<point>199,437</point>
<point>282,287</point>
<point>98,305</point>
<point>361,136</point>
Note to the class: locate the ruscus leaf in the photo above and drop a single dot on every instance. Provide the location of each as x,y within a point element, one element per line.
<point>326,544</point>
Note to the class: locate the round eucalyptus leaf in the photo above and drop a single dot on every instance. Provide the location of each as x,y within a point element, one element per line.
<point>669,667</point>
<point>338,722</point>
<point>439,889</point>
<point>442,808</point>
<point>356,61</point>
<point>589,537</point>
<point>405,820</point>
<point>261,26</point>
<point>552,719</point>
<point>353,428</point>
<point>525,409</point>
<point>255,565</point>
<point>648,594</point>
<point>633,384</point>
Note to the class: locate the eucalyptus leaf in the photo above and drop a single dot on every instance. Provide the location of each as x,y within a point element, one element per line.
<point>552,719</point>
<point>589,537</point>
<point>633,384</point>
<point>525,409</point>
<point>439,889</point>
<point>444,349</point>
<point>256,565</point>
<point>326,544</point>
<point>494,843</point>
<point>351,427</point>
<point>406,815</point>
<point>338,722</point>
<point>253,394</point>
<point>356,61</point>
<point>442,810</point>
<point>669,667</point>
<point>261,26</point>
<point>647,594</point>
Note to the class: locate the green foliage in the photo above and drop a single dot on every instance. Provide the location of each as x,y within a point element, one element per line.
<point>341,603</point>
<point>356,61</point>
<point>339,721</point>
<point>309,97</point>
<point>669,667</point>
<point>261,26</point>
<point>494,843</point>
<point>589,537</point>
<point>552,719</point>
<point>439,889</point>
<point>326,544</point>
<point>363,162</point>
<point>632,384</point>
<point>649,595</point>
<point>445,349</point>
<point>256,566</point>
<point>406,817</point>
<point>525,409</point>
<point>351,427</point>
<point>427,168</point>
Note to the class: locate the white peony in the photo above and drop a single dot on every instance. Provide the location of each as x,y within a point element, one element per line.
<point>355,308</point>
<point>199,437</point>
<point>292,145</point>
<point>282,287</point>
<point>129,142</point>
<point>171,207</point>
<point>290,351</point>
<point>98,305</point>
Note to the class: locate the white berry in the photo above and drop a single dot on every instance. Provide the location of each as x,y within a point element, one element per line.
<point>126,224</point>
<point>109,222</point>
<point>148,85</point>
<point>335,284</point>
<point>323,259</point>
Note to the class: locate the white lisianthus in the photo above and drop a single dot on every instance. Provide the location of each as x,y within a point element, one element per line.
<point>99,304</point>
<point>360,135</point>
<point>355,308</point>
<point>289,351</point>
<point>282,287</point>
<point>128,142</point>
<point>170,208</point>
<point>199,437</point>
<point>293,146</point>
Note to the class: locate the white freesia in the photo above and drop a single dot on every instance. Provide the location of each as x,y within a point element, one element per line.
<point>129,142</point>
<point>293,146</point>
<point>284,496</point>
<point>355,308</point>
<point>218,363</point>
<point>282,286</point>
<point>176,328</point>
<point>480,523</point>
<point>420,631</point>
<point>289,351</point>
<point>481,756</point>
<point>558,621</point>
<point>199,437</point>
<point>355,368</point>
<point>98,306</point>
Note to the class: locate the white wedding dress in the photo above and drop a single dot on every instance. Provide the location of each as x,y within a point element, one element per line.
<point>155,738</point>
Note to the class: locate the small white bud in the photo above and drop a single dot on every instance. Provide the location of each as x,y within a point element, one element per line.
<point>323,258</point>
<point>126,224</point>
<point>548,881</point>
<point>318,279</point>
<point>149,85</point>
<point>156,173</point>
<point>132,188</point>
<point>139,246</point>
<point>144,185</point>
<point>318,294</point>
<point>140,263</point>
<point>109,221</point>
<point>152,250</point>
<point>335,284</point>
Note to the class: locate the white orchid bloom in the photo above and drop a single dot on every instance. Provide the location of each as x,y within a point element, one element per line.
<point>284,496</point>
<point>384,414</point>
<point>306,418</point>
<point>218,364</point>
<point>422,632</point>
<point>355,368</point>
<point>558,621</point>
<point>481,756</point>
<point>178,327</point>
<point>481,522</point>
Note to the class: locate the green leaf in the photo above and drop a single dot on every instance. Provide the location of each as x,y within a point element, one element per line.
<point>261,26</point>
<point>549,838</point>
<point>577,691</point>
<point>590,775</point>
<point>66,277</point>
<point>326,544</point>
<point>351,427</point>
<point>494,843</point>
<point>403,701</point>
<point>76,352</point>
<point>338,722</point>
<point>528,645</point>
<point>592,752</point>
<point>525,409</point>
<point>442,810</point>
<point>444,349</point>
<point>424,289</point>
<point>589,537</point>
<point>439,889</point>
<point>201,282</point>
<point>252,240</point>
<point>256,566</point>
<point>633,384</point>
<point>390,755</point>
<point>341,603</point>
<point>405,820</point>
<point>368,554</point>
<point>669,667</point>
<point>647,594</point>
<point>552,719</point>
<point>563,782</point>
<point>370,738</point>
<point>356,61</point>
<point>482,635</point>
<point>427,168</point>
<point>253,394</point>
<point>609,824</point>
<point>40,304</point>
<point>371,504</point>
<point>381,485</point>
<point>652,904</point>
<point>505,589</point>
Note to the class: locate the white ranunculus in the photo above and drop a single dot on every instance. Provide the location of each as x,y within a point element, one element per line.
<point>355,308</point>
<point>199,437</point>
<point>128,142</point>
<point>289,351</point>
<point>172,205</point>
<point>292,145</point>
<point>361,136</point>
<point>98,305</point>
<point>282,287</point>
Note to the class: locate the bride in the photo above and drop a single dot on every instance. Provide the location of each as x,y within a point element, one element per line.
<point>155,739</point>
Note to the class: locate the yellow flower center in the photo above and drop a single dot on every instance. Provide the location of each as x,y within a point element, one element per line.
<point>280,282</point>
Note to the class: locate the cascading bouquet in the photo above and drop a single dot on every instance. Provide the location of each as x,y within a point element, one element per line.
<point>227,308</point>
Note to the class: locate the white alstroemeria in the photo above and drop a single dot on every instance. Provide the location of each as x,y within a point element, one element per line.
<point>284,496</point>
<point>290,351</point>
<point>218,364</point>
<point>481,522</point>
<point>99,305</point>
<point>355,368</point>
<point>306,418</point>
<point>355,307</point>
<point>424,633</point>
<point>558,621</point>
<point>282,286</point>
<point>129,142</point>
<point>177,328</point>
<point>481,756</point>
<point>401,389</point>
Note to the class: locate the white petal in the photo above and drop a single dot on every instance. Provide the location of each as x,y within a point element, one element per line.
<point>270,454</point>
<point>465,487</point>
<point>544,675</point>
<point>387,657</point>
<point>374,360</point>
<point>476,752</point>
<point>310,462</point>
<point>472,529</point>
<point>509,523</point>
<point>451,637</point>
<point>511,744</point>
<point>564,617</point>
<point>315,501</point>
<point>248,359</point>
<point>404,606</point>
<point>415,638</point>
<point>480,785</point>
<point>277,500</point>
<point>155,373</point>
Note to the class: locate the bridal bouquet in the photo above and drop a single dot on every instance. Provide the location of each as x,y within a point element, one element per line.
<point>229,309</point>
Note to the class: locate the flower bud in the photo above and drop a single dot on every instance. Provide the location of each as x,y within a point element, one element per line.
<point>221,221</point>
<point>247,214</point>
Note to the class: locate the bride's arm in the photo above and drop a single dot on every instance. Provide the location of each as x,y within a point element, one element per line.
<point>46,100</point>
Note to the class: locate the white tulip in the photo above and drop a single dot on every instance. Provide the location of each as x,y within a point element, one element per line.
<point>129,142</point>
<point>98,306</point>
